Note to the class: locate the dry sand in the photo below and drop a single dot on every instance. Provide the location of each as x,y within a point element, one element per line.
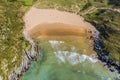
<point>53,22</point>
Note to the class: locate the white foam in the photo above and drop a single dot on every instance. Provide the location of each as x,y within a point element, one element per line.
<point>54,43</point>
<point>60,56</point>
<point>73,57</point>
<point>109,79</point>
<point>82,58</point>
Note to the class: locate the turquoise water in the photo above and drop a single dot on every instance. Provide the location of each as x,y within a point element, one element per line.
<point>63,60</point>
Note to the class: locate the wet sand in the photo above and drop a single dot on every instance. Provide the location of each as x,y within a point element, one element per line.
<point>56,29</point>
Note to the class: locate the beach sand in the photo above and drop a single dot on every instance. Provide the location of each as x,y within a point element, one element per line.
<point>51,22</point>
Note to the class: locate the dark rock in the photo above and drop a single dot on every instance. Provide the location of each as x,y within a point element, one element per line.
<point>112,70</point>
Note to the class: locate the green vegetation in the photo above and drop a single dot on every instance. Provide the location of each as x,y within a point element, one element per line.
<point>115,3</point>
<point>72,5</point>
<point>108,23</point>
<point>12,41</point>
<point>87,5</point>
<point>67,5</point>
<point>25,2</point>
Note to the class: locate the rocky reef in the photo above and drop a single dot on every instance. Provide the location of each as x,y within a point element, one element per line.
<point>103,56</point>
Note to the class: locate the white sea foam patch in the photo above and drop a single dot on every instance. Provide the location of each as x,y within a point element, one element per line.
<point>55,43</point>
<point>73,57</point>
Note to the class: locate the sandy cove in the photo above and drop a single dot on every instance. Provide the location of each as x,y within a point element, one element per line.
<point>51,22</point>
<point>48,21</point>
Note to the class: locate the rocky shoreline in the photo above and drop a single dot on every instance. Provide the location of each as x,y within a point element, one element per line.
<point>30,56</point>
<point>103,56</point>
<point>33,55</point>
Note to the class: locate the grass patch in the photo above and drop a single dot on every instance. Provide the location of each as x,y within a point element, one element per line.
<point>27,2</point>
<point>87,5</point>
<point>12,41</point>
<point>67,5</point>
<point>108,23</point>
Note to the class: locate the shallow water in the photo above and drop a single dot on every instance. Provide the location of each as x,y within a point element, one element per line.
<point>66,58</point>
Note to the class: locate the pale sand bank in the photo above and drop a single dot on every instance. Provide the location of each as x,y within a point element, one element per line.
<point>53,22</point>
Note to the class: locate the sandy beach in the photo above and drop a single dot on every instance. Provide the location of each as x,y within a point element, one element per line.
<point>53,22</point>
<point>58,32</point>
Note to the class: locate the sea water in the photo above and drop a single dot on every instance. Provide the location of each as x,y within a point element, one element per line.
<point>67,58</point>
